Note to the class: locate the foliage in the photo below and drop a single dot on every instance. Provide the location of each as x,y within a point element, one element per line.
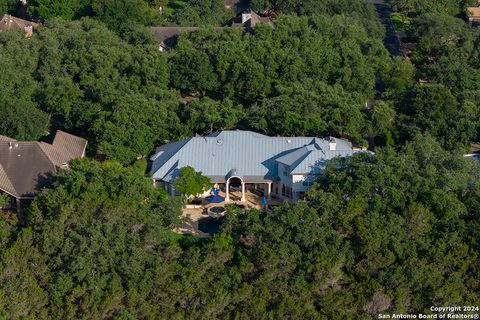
<point>90,82</point>
<point>200,13</point>
<point>364,13</point>
<point>398,75</point>
<point>401,22</point>
<point>4,199</point>
<point>432,108</point>
<point>21,119</point>
<point>388,232</point>
<point>189,182</point>
<point>401,212</point>
<point>65,9</point>
<point>416,7</point>
<point>8,6</point>
<point>206,115</point>
<point>116,14</point>
<point>264,71</point>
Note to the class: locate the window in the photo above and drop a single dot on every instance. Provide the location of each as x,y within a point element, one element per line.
<point>307,183</point>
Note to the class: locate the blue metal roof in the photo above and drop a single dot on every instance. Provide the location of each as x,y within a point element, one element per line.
<point>243,153</point>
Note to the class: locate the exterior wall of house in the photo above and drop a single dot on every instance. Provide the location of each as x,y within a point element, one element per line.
<point>301,184</point>
<point>285,183</point>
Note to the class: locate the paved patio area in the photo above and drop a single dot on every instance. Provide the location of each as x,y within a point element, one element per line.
<point>193,215</point>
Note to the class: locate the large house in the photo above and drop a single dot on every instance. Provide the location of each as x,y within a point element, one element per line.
<point>285,167</point>
<point>25,166</point>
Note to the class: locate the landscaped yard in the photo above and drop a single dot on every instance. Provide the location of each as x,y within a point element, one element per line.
<point>401,22</point>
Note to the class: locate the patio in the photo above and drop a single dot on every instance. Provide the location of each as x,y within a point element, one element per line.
<point>193,214</point>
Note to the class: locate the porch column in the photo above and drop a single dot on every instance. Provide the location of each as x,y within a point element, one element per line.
<point>269,190</point>
<point>172,190</point>
<point>243,192</point>
<point>227,195</point>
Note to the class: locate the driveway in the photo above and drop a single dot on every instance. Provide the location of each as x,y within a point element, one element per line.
<point>391,42</point>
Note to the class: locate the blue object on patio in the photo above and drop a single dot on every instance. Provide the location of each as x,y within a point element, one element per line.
<point>264,201</point>
<point>215,199</point>
<point>216,191</point>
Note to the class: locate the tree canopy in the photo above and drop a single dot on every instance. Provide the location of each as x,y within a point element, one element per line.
<point>192,183</point>
<point>388,232</point>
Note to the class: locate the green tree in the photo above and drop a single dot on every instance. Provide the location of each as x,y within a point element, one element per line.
<point>383,120</point>
<point>189,182</point>
<point>398,75</point>
<point>100,228</point>
<point>4,200</point>
<point>206,115</point>
<point>119,13</point>
<point>21,117</point>
<point>432,108</point>
<point>22,292</point>
<point>65,9</point>
<point>202,13</point>
<point>8,6</point>
<point>399,208</point>
<point>192,71</point>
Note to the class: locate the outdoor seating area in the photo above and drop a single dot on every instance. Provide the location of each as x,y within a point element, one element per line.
<point>203,216</point>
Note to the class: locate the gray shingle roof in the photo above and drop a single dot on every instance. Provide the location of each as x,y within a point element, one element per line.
<point>247,153</point>
<point>6,139</point>
<point>25,166</point>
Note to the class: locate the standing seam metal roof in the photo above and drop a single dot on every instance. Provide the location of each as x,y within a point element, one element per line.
<point>251,154</point>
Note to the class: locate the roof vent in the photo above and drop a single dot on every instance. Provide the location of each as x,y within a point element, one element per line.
<point>332,145</point>
<point>219,142</point>
<point>10,145</point>
<point>289,141</point>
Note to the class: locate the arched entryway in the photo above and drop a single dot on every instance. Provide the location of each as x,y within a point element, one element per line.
<point>235,182</point>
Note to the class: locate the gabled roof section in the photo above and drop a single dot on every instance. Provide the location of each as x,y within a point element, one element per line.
<point>5,183</point>
<point>26,166</point>
<point>297,155</point>
<point>64,148</point>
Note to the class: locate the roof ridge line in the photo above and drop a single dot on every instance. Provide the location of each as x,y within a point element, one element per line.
<point>9,181</point>
<point>300,160</point>
<point>38,143</point>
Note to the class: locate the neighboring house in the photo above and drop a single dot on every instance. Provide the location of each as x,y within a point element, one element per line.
<point>25,166</point>
<point>473,14</point>
<point>284,166</point>
<point>8,22</point>
<point>168,36</point>
<point>249,20</point>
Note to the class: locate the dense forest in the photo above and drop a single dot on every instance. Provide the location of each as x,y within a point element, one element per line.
<point>394,230</point>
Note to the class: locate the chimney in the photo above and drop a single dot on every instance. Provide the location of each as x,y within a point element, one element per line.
<point>10,146</point>
<point>332,144</point>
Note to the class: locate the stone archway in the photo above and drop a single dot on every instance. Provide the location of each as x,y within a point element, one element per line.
<point>234,181</point>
